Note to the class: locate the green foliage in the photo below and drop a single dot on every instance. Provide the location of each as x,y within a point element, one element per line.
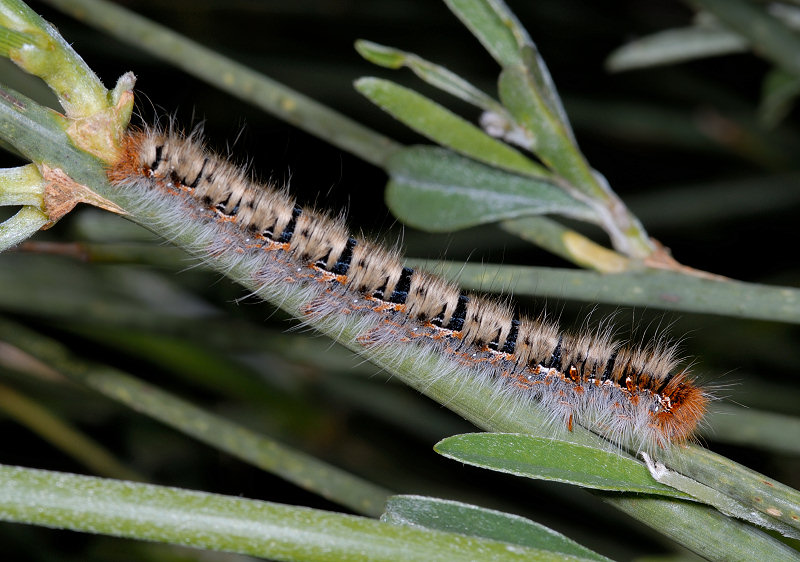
<point>471,520</point>
<point>557,460</point>
<point>78,340</point>
<point>439,191</point>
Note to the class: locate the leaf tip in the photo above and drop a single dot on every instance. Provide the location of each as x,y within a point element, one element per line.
<point>380,54</point>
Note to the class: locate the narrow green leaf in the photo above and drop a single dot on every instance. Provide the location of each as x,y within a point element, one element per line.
<point>553,142</point>
<point>457,517</point>
<point>498,29</point>
<point>224,523</point>
<point>436,190</point>
<point>381,55</point>
<point>433,74</point>
<point>768,36</point>
<point>488,26</point>
<point>536,68</point>
<point>551,459</point>
<point>445,127</point>
<point>675,45</point>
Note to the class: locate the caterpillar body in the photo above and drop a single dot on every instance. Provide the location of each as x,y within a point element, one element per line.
<point>636,395</point>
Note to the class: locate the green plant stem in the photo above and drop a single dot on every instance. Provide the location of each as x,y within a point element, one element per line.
<point>746,486</point>
<point>48,56</point>
<point>233,77</point>
<point>38,134</point>
<point>655,289</point>
<point>21,226</point>
<point>637,506</point>
<point>223,523</point>
<point>21,186</point>
<point>666,290</point>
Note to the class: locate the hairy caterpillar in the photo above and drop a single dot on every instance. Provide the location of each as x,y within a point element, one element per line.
<point>637,396</point>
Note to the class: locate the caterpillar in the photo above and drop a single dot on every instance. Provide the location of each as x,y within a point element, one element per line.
<point>638,396</point>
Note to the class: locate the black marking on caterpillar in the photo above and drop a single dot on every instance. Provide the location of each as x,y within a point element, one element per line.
<point>637,396</point>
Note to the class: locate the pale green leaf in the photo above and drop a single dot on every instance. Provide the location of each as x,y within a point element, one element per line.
<point>437,190</point>
<point>457,517</point>
<point>445,127</point>
<point>553,459</point>
<point>675,45</point>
